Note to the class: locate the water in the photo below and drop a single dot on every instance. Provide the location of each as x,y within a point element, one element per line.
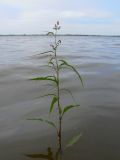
<point>89,49</point>
<point>97,58</point>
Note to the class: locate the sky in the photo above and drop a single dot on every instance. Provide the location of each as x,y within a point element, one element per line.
<point>98,17</point>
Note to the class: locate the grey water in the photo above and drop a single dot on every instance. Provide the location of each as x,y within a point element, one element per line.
<point>97,58</point>
<point>89,49</point>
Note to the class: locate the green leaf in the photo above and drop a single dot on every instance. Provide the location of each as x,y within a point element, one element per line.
<point>50,123</point>
<point>67,108</point>
<point>67,90</point>
<point>35,119</point>
<point>54,100</point>
<point>43,120</point>
<point>60,109</point>
<point>51,61</point>
<point>45,52</point>
<point>77,74</point>
<point>64,63</point>
<point>48,78</point>
<point>48,95</point>
<point>73,140</point>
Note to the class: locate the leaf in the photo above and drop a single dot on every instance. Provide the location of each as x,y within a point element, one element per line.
<point>54,100</point>
<point>67,90</point>
<point>52,58</point>
<point>35,119</point>
<point>48,155</point>
<point>67,108</point>
<point>73,68</point>
<point>48,78</point>
<point>37,156</point>
<point>48,95</point>
<point>53,47</point>
<point>73,140</point>
<point>43,120</point>
<point>60,109</point>
<point>77,74</point>
<point>50,123</point>
<point>51,63</point>
<point>45,52</point>
<point>50,34</point>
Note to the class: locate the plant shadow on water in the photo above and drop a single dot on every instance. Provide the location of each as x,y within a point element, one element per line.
<point>55,154</point>
<point>49,155</point>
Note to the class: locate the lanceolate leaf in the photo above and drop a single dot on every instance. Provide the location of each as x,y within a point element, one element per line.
<point>67,108</point>
<point>36,119</point>
<point>77,74</point>
<point>48,95</point>
<point>51,63</point>
<point>51,59</point>
<point>73,140</point>
<point>67,90</point>
<point>43,120</point>
<point>60,110</point>
<point>64,63</point>
<point>50,123</point>
<point>50,34</point>
<point>46,52</point>
<point>48,78</point>
<point>54,100</point>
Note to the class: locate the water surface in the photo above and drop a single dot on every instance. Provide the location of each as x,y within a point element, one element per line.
<point>97,58</point>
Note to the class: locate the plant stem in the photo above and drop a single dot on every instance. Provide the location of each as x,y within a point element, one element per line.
<point>60,135</point>
<point>58,93</point>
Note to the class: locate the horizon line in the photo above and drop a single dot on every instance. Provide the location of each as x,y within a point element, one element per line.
<point>59,35</point>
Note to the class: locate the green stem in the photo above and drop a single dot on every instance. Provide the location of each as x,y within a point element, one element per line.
<point>58,93</point>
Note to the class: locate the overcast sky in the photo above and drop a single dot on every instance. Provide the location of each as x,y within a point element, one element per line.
<point>75,16</point>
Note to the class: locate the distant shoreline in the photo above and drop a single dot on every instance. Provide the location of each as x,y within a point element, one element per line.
<point>61,35</point>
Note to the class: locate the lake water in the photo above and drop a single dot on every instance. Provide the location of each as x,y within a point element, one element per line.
<point>97,58</point>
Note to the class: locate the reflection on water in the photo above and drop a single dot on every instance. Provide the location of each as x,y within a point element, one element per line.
<point>49,155</point>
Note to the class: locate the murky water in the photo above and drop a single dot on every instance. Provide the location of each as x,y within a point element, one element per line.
<point>97,58</point>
